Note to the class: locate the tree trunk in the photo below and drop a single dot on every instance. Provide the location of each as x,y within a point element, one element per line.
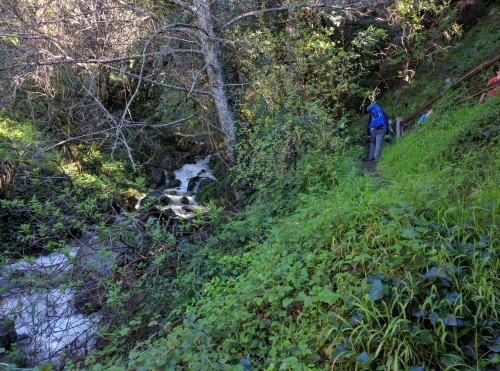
<point>210,48</point>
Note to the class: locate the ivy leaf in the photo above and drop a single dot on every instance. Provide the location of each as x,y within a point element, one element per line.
<point>378,290</point>
<point>365,359</point>
<point>311,358</point>
<point>374,277</point>
<point>398,260</point>
<point>394,261</point>
<point>326,296</point>
<point>410,233</point>
<point>433,317</point>
<point>424,337</point>
<point>452,297</point>
<point>495,347</point>
<point>450,320</point>
<point>449,360</point>
<point>247,365</point>
<point>337,351</point>
<point>432,273</point>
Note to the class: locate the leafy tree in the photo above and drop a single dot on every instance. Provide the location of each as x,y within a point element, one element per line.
<point>73,49</point>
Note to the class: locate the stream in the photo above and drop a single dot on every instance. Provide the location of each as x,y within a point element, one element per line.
<point>35,293</point>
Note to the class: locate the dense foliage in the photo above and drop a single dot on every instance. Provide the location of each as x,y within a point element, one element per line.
<point>370,273</point>
<point>302,261</point>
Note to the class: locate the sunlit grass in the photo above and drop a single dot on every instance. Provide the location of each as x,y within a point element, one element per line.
<point>16,131</point>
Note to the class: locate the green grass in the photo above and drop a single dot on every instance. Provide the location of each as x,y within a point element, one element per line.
<point>364,274</point>
<point>455,148</point>
<point>347,271</point>
<point>16,139</point>
<point>395,272</point>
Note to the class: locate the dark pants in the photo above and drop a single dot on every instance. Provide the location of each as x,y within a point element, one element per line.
<point>376,140</point>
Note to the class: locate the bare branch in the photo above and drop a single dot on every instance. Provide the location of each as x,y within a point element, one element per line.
<point>182,4</point>
<point>195,80</point>
<point>134,9</point>
<point>156,83</point>
<point>127,125</point>
<point>338,6</point>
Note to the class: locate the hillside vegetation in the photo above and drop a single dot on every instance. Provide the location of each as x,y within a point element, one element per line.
<point>334,269</point>
<point>302,261</point>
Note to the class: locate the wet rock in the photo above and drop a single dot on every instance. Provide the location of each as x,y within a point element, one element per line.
<point>8,334</point>
<point>204,182</point>
<point>185,200</point>
<point>189,159</point>
<point>193,182</point>
<point>173,183</point>
<point>198,182</point>
<point>154,197</point>
<point>126,202</point>
<point>167,216</point>
<point>149,213</point>
<point>159,177</point>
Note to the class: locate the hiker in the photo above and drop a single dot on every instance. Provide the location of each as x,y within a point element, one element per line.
<point>493,80</point>
<point>425,115</point>
<point>390,135</point>
<point>378,126</point>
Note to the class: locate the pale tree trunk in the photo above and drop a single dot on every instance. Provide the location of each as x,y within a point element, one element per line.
<point>210,47</point>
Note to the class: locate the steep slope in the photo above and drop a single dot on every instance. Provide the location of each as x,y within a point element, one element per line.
<point>393,273</point>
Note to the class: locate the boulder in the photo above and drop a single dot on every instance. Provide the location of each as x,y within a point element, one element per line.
<point>197,182</point>
<point>168,215</point>
<point>204,182</point>
<point>193,182</point>
<point>159,177</point>
<point>126,202</point>
<point>173,183</point>
<point>154,198</point>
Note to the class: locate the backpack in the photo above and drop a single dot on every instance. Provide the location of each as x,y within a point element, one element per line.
<point>377,117</point>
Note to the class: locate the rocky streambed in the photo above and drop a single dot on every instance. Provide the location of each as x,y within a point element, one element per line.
<point>49,305</point>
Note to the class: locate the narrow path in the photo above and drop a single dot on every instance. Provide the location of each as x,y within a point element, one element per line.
<point>369,166</point>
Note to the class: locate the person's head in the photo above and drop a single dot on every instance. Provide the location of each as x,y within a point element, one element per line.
<point>496,70</point>
<point>429,111</point>
<point>390,121</point>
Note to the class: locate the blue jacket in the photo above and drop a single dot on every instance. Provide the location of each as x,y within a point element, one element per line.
<point>377,117</point>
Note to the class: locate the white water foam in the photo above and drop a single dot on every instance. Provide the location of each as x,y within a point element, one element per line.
<point>46,323</point>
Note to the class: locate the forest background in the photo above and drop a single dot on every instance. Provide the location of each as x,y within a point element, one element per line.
<point>302,261</point>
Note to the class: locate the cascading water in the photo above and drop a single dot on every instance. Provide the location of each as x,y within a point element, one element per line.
<point>182,199</point>
<point>47,324</point>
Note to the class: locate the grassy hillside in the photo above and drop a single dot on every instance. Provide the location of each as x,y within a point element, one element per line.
<point>329,268</point>
<point>477,45</point>
<point>397,271</point>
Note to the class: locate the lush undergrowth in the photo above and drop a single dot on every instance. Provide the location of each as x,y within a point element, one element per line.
<point>476,46</point>
<point>329,268</point>
<point>398,272</point>
<point>53,196</point>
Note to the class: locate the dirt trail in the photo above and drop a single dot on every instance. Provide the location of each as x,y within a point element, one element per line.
<point>369,166</point>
